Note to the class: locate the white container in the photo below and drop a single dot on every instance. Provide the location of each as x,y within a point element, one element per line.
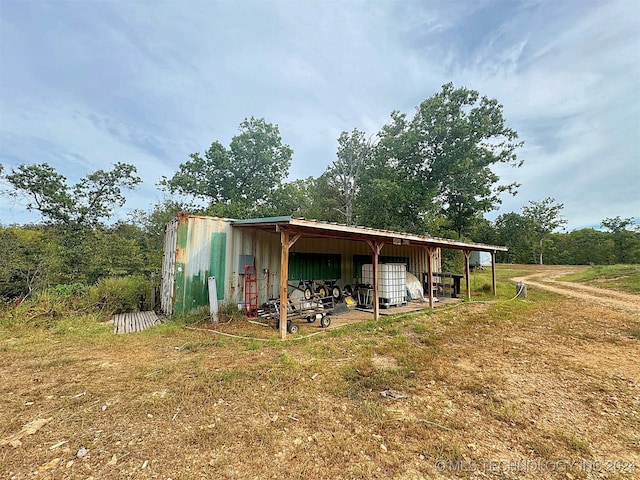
<point>213,299</point>
<point>392,282</point>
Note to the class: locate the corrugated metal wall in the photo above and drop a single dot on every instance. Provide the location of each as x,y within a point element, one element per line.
<point>265,249</point>
<point>167,284</point>
<point>201,251</point>
<point>197,247</point>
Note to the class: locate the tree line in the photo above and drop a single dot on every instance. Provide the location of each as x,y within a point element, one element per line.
<point>429,173</point>
<point>617,242</point>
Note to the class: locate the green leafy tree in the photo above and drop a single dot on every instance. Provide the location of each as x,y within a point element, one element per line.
<point>36,257</point>
<point>582,247</point>
<point>441,161</point>
<point>324,201</point>
<point>87,203</point>
<point>385,206</point>
<point>393,194</point>
<point>483,232</point>
<point>617,224</point>
<point>545,217</point>
<point>73,216</point>
<point>622,237</point>
<point>154,221</point>
<point>291,198</point>
<point>30,259</point>
<point>152,225</point>
<point>115,251</point>
<point>461,135</point>
<point>516,232</point>
<point>21,262</point>
<point>239,180</point>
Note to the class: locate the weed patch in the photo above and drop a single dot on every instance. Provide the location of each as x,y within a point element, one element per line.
<point>574,443</point>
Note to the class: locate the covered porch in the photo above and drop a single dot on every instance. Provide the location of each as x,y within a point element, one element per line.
<point>290,230</point>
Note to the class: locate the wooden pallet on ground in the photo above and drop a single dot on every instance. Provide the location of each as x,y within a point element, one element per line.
<point>134,322</point>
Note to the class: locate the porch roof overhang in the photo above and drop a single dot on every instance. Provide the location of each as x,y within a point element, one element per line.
<point>315,228</point>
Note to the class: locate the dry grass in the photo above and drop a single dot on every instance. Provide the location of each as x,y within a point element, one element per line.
<point>548,379</point>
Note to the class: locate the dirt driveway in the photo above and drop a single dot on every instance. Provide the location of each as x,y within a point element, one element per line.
<point>546,278</point>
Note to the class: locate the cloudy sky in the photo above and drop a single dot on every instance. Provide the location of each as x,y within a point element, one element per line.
<point>84,84</point>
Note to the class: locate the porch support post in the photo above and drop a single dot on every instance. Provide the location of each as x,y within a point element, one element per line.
<point>467,274</point>
<point>493,272</point>
<point>430,275</point>
<point>286,241</point>
<point>376,247</point>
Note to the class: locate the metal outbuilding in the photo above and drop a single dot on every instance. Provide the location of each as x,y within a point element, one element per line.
<point>282,249</point>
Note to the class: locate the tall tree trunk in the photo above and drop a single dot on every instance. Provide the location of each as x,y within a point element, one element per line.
<point>349,210</point>
<point>541,252</point>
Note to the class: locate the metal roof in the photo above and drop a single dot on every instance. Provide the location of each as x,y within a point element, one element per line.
<point>316,228</point>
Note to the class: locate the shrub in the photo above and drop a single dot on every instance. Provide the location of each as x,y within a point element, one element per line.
<point>67,291</point>
<point>120,294</point>
<point>43,310</point>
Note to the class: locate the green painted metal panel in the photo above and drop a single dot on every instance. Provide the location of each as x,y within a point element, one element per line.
<point>200,253</point>
<point>250,221</point>
<point>218,261</point>
<point>198,294</point>
<point>180,267</point>
<point>191,291</point>
<point>314,266</point>
<point>179,306</point>
<point>183,233</point>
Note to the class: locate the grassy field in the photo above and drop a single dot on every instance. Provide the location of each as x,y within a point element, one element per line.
<point>494,388</point>
<point>619,277</point>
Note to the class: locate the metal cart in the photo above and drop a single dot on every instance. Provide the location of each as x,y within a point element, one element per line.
<point>308,309</point>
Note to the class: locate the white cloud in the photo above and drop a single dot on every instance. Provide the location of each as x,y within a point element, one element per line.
<point>84,85</point>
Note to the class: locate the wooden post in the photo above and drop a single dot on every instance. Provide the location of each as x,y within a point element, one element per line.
<point>493,272</point>
<point>284,276</point>
<point>286,242</point>
<point>467,273</point>
<point>430,275</point>
<point>376,247</point>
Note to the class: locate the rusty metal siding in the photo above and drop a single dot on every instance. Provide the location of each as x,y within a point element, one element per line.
<point>201,250</point>
<point>205,245</point>
<point>167,284</point>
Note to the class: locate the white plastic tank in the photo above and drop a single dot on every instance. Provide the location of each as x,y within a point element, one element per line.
<point>392,282</point>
